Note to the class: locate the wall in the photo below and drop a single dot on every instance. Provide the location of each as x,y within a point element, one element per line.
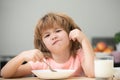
<point>18,18</point>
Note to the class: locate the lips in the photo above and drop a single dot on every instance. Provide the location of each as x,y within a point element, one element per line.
<point>55,42</point>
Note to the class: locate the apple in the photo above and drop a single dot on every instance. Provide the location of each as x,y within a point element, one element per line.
<point>96,49</point>
<point>108,50</point>
<point>101,46</point>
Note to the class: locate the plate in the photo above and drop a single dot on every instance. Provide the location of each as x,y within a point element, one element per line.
<point>47,74</point>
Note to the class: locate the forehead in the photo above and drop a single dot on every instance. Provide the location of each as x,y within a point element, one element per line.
<point>54,26</point>
<point>52,21</point>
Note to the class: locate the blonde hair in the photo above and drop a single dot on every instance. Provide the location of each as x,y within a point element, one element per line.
<point>48,21</point>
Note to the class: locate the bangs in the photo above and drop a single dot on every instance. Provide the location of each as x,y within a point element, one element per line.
<point>51,20</point>
<point>45,26</point>
<point>48,26</point>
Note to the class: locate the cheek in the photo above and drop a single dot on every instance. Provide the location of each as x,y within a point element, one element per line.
<point>65,36</point>
<point>47,43</point>
<point>66,39</point>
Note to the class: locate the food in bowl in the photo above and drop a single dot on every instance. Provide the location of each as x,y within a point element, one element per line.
<point>47,74</point>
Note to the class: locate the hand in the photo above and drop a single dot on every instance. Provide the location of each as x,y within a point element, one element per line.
<point>32,55</point>
<point>76,35</point>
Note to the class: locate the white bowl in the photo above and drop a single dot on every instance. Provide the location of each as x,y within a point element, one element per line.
<point>47,74</point>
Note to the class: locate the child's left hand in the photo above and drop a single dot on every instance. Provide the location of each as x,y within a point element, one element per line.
<point>76,34</point>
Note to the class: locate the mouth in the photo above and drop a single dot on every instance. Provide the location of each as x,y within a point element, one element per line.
<point>55,42</point>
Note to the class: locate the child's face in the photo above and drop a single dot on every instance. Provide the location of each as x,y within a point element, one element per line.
<point>56,39</point>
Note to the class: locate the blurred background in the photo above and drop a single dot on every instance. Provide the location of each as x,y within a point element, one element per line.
<point>99,19</point>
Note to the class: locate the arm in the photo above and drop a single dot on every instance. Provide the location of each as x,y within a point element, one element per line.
<point>14,67</point>
<point>88,60</point>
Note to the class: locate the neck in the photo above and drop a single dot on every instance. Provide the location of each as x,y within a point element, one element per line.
<point>61,56</point>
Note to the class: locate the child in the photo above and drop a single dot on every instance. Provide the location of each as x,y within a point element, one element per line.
<point>61,43</point>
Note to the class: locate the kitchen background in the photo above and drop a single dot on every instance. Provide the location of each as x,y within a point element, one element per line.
<point>97,18</point>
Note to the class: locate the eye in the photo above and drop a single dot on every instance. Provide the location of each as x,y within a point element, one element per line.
<point>46,35</point>
<point>58,30</point>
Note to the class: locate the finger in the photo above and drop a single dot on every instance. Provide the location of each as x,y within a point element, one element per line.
<point>33,59</point>
<point>40,56</point>
<point>73,38</point>
<point>37,58</point>
<point>70,37</point>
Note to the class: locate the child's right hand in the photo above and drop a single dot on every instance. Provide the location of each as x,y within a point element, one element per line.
<point>32,55</point>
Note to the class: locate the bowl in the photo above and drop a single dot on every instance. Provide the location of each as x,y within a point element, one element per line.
<point>47,74</point>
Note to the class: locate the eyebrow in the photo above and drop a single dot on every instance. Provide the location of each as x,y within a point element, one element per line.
<point>46,32</point>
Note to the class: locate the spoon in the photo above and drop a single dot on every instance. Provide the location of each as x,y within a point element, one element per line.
<point>49,66</point>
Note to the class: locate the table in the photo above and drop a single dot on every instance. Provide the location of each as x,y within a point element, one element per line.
<point>35,78</point>
<point>73,78</point>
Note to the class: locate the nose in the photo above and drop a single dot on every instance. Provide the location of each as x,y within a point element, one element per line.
<point>53,37</point>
